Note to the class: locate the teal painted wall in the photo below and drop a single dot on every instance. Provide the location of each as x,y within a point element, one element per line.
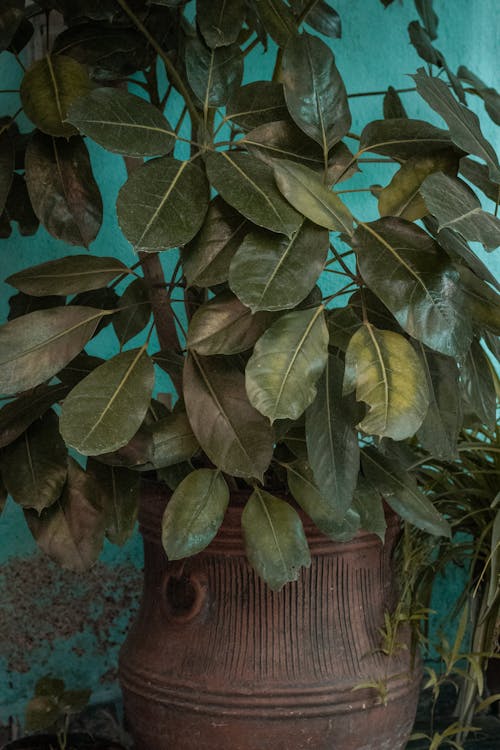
<point>72,625</point>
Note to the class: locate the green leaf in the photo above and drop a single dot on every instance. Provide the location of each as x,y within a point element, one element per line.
<point>71,531</point>
<point>402,196</point>
<point>220,21</point>
<point>36,346</point>
<point>286,364</point>
<point>277,19</point>
<point>148,204</point>
<point>248,185</point>
<point>17,415</point>
<point>421,40</point>
<point>122,122</point>
<point>439,431</point>
<point>482,302</point>
<point>478,175</point>
<point>403,138</point>
<point>399,489</point>
<point>49,88</point>
<point>129,322</point>
<point>34,467</point>
<point>225,326</point>
<point>393,106</point>
<point>49,686</point>
<point>459,251</point>
<point>489,95</point>
<point>206,259</point>
<point>213,74</point>
<point>78,368</point>
<point>170,362</point>
<point>494,572</point>
<point>388,376</point>
<point>76,273</point>
<point>19,209</point>
<point>305,190</point>
<point>457,207</point>
<point>11,15</point>
<point>321,17</point>
<point>465,130</point>
<point>42,712</point>
<point>275,542</point>
<point>409,272</point>
<point>257,103</point>
<point>173,440</point>
<point>268,271</point>
<point>332,441</point>
<point>6,168</point>
<point>74,701</point>
<point>478,386</point>
<point>428,16</point>
<point>119,496</point>
<point>235,437</point>
<point>105,410</point>
<point>314,91</point>
<point>194,513</point>
<point>320,509</point>
<point>342,323</point>
<point>368,503</point>
<point>62,189</point>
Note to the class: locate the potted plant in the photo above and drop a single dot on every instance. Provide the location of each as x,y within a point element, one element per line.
<point>292,398</point>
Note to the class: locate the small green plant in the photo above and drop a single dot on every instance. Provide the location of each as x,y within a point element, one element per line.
<point>52,707</point>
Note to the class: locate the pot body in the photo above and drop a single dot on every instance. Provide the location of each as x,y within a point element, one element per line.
<point>217,661</point>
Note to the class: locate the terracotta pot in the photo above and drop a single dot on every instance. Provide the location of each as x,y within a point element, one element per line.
<point>217,661</point>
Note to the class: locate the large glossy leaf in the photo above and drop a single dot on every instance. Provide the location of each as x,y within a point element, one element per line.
<point>370,507</point>
<point>247,184</point>
<point>439,431</point>
<point>478,386</point>
<point>428,16</point>
<point>286,364</point>
<point>257,103</point>
<point>71,531</point>
<point>277,20</point>
<point>69,275</point>
<point>17,415</point>
<point>62,189</point>
<point>173,440</point>
<point>342,324</point>
<point>136,312</point>
<point>220,21</point>
<point>194,513</point>
<point>399,489</point>
<point>478,175</point>
<point>461,253</point>
<point>403,138</point>
<point>457,207</point>
<point>233,434</point>
<point>119,498</point>
<point>489,95</point>
<point>122,122</point>
<point>269,272</point>
<point>213,74</point>
<point>49,88</point>
<point>402,196</point>
<point>320,509</point>
<point>149,202</point>
<point>386,374</point>
<point>275,541</point>
<point>105,410</point>
<point>321,16</point>
<point>36,346</point>
<point>224,325</point>
<point>11,16</point>
<point>205,260</point>
<point>305,190</point>
<point>332,440</point>
<point>34,467</point>
<point>6,168</point>
<point>410,273</point>
<point>393,106</point>
<point>483,302</point>
<point>314,91</point>
<point>464,126</point>
<point>422,42</point>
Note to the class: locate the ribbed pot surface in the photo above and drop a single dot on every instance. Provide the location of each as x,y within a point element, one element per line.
<point>217,661</point>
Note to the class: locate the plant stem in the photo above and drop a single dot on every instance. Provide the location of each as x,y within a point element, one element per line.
<point>378,93</point>
<point>171,71</point>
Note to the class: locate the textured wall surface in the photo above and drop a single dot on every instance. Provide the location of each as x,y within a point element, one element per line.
<point>71,625</point>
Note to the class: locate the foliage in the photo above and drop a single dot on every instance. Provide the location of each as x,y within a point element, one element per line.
<point>296,394</point>
<point>52,706</point>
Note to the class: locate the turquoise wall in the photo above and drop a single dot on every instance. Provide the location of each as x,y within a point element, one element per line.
<point>72,625</point>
